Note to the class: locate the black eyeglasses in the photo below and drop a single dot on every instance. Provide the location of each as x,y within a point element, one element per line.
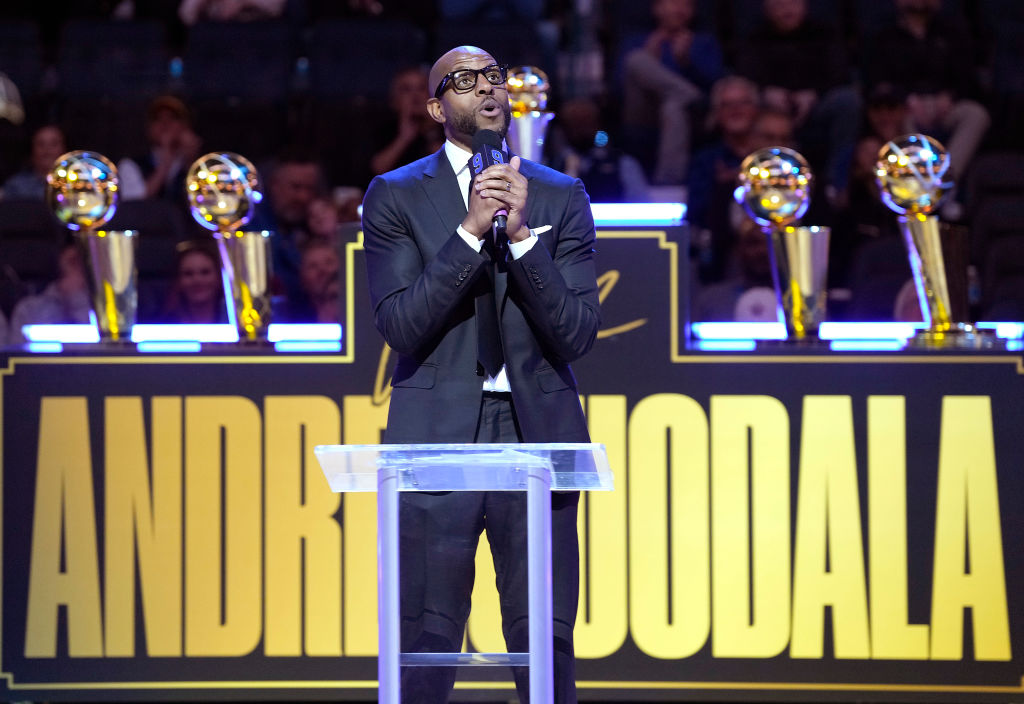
<point>464,80</point>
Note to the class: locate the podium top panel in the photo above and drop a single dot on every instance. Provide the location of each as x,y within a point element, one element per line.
<point>466,467</point>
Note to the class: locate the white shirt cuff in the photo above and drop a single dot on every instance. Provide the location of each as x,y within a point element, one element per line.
<point>471,239</point>
<point>518,249</point>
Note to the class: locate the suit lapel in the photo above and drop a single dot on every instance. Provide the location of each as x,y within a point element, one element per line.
<point>442,190</point>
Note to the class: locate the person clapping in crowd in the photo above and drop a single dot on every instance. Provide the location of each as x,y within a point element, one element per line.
<point>410,134</point>
<point>160,173</point>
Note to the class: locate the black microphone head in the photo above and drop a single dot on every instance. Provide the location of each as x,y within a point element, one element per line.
<point>486,138</point>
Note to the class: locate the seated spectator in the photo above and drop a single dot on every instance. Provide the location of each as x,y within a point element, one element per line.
<point>197,295</point>
<point>674,69</point>
<point>192,11</point>
<point>774,128</point>
<point>861,214</point>
<point>161,172</point>
<point>321,294</point>
<point>749,294</point>
<point>411,133</point>
<point>323,220</point>
<point>584,151</point>
<point>295,182</point>
<point>932,60</point>
<point>65,300</point>
<point>801,67</point>
<point>734,111</point>
<point>48,144</point>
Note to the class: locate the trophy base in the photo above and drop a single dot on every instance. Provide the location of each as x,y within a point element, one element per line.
<point>962,336</point>
<point>115,343</point>
<point>253,342</point>
<point>793,344</point>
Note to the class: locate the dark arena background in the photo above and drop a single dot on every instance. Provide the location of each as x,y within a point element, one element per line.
<point>838,521</point>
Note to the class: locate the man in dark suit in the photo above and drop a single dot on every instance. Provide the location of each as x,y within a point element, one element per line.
<point>484,333</point>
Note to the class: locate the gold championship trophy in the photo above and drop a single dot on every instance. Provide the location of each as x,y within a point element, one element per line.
<point>223,190</point>
<point>82,191</point>
<point>528,94</point>
<point>911,172</point>
<point>775,190</point>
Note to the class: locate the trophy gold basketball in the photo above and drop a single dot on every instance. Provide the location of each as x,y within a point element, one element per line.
<point>223,190</point>
<point>528,88</point>
<point>775,191</point>
<point>912,176</point>
<point>82,191</point>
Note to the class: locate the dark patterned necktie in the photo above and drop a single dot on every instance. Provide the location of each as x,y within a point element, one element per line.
<point>488,331</point>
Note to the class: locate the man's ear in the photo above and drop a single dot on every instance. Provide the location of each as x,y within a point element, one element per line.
<point>436,110</point>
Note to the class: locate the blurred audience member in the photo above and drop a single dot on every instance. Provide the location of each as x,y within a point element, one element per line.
<point>192,11</point>
<point>160,173</point>
<point>294,184</point>
<point>726,300</point>
<point>585,152</point>
<point>48,143</point>
<point>320,299</point>
<point>773,128</point>
<point>734,111</point>
<point>65,300</point>
<point>347,200</point>
<point>931,59</point>
<point>3,328</point>
<point>411,133</point>
<point>802,68</point>
<point>674,69</point>
<point>322,220</point>
<point>197,295</point>
<point>861,216</point>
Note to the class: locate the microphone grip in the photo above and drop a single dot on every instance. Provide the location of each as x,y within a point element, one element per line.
<point>499,223</point>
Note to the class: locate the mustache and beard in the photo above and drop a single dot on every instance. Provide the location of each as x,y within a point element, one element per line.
<point>465,121</point>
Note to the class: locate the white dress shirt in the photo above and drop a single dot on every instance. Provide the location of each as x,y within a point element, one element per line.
<point>459,159</point>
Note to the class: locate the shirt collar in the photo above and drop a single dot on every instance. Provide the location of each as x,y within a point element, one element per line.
<point>457,156</point>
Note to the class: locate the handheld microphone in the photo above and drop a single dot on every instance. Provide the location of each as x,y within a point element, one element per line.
<point>487,151</point>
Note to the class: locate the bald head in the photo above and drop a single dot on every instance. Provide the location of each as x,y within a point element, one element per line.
<point>463,112</point>
<point>456,58</point>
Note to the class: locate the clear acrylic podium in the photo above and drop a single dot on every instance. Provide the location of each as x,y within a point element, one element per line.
<point>537,468</point>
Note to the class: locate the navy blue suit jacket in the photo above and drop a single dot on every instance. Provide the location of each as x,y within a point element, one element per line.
<point>423,278</point>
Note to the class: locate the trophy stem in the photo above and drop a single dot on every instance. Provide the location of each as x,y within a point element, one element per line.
<point>924,248</point>
<point>110,262</point>
<point>245,260</point>
<point>799,271</point>
<point>526,133</point>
